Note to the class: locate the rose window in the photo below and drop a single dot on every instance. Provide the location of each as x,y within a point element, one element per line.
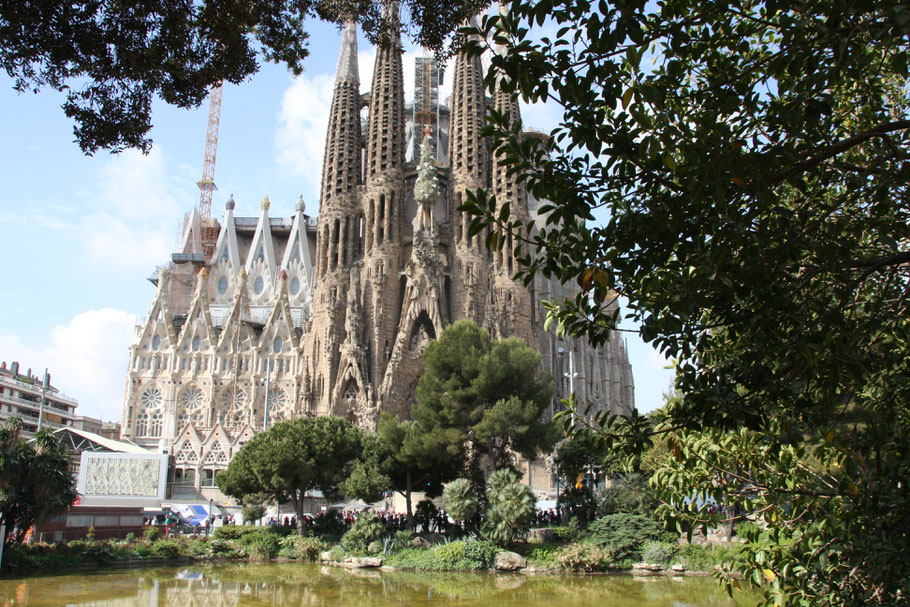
<point>234,408</point>
<point>192,408</point>
<point>150,418</point>
<point>279,406</point>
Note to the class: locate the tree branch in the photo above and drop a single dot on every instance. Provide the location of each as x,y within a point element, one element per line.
<point>841,146</point>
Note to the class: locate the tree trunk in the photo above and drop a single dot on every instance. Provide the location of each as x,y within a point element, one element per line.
<point>298,510</point>
<point>407,501</point>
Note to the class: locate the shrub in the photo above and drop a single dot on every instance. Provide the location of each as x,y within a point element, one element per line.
<point>629,496</point>
<point>143,550</point>
<point>450,557</point>
<point>166,549</point>
<point>480,552</point>
<point>700,557</point>
<point>366,529</point>
<point>223,549</point>
<point>623,534</point>
<point>130,538</point>
<point>579,504</point>
<point>462,556</point>
<point>511,507</point>
<point>260,542</point>
<point>657,552</point>
<point>329,524</point>
<point>544,553</point>
<point>425,513</point>
<point>261,547</point>
<point>419,559</point>
<point>748,530</point>
<point>459,500</point>
<point>566,533</point>
<point>195,548</point>
<point>583,557</point>
<point>301,548</point>
<point>150,534</point>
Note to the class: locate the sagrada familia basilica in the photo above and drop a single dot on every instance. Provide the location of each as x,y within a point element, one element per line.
<point>290,316</point>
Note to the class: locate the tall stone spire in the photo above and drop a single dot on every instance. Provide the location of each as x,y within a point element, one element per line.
<point>509,300</point>
<point>384,196</point>
<point>341,164</point>
<point>347,60</point>
<point>385,139</point>
<point>339,243</point>
<point>469,159</point>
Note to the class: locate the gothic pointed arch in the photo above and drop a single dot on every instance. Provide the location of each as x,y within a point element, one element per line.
<point>226,248</point>
<point>260,260</point>
<point>236,330</point>
<point>216,449</point>
<point>198,333</point>
<point>279,324</point>
<point>298,264</point>
<point>191,243</point>
<point>159,321</point>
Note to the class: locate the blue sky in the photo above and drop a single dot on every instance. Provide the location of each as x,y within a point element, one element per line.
<point>81,234</point>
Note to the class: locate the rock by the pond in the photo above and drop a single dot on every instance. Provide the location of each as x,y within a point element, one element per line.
<point>325,556</point>
<point>419,542</point>
<point>367,561</point>
<point>509,561</point>
<point>678,567</point>
<point>541,535</point>
<point>640,566</point>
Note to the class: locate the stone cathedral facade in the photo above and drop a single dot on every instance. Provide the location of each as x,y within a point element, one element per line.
<point>296,316</point>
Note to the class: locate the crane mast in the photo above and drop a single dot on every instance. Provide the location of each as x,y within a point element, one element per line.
<point>207,183</point>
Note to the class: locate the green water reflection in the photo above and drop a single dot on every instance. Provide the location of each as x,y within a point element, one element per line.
<point>314,585</point>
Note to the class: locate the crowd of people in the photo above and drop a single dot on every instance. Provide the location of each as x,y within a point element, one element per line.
<point>427,520</point>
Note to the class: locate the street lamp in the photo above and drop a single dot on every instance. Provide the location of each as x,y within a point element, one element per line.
<point>571,374</point>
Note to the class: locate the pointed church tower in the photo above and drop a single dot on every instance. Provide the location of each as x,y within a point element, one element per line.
<point>339,229</point>
<point>384,197</point>
<point>509,302</point>
<point>469,160</point>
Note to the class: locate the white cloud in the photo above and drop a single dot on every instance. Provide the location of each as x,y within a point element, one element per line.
<point>303,120</point>
<point>86,358</point>
<point>132,221</point>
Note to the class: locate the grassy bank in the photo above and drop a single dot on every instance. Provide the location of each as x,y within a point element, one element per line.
<point>612,543</point>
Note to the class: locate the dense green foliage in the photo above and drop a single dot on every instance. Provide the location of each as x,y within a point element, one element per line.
<point>396,457</point>
<point>482,397</point>
<point>623,534</point>
<point>510,507</point>
<point>454,556</point>
<point>750,158</point>
<point>35,479</point>
<point>113,59</point>
<point>366,529</point>
<point>630,494</point>
<point>291,458</point>
<point>459,500</point>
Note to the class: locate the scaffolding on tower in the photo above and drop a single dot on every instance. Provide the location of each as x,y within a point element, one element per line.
<point>428,76</point>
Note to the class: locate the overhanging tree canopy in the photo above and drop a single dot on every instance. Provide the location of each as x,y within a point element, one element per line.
<point>112,59</point>
<point>751,158</point>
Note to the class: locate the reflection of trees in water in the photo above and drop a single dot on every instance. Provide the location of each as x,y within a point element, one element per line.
<point>245,584</point>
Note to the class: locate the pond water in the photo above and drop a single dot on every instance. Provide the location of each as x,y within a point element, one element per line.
<point>247,584</point>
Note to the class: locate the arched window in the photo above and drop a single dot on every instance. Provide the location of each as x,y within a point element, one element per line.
<point>150,418</point>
